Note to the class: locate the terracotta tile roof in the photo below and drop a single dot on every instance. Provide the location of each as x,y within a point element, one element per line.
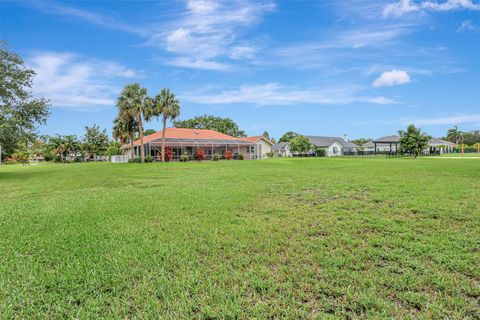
<point>182,133</point>
<point>255,139</point>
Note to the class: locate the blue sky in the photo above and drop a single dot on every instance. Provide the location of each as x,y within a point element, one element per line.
<point>365,68</point>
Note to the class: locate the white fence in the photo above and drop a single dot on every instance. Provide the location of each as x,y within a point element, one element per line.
<point>120,159</point>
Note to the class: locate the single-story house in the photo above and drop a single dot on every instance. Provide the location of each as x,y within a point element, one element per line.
<point>440,146</point>
<point>259,148</point>
<point>334,146</point>
<point>281,150</point>
<point>187,141</point>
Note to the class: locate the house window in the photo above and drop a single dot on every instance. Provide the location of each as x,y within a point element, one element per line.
<point>251,149</point>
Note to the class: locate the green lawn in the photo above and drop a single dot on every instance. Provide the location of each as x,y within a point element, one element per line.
<point>456,155</point>
<point>284,238</point>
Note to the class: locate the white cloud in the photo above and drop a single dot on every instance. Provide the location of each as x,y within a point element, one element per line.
<point>243,52</point>
<point>209,31</point>
<point>187,62</point>
<point>451,120</point>
<point>468,25</point>
<point>402,7</point>
<point>72,82</point>
<point>276,94</point>
<point>391,78</point>
<point>90,16</point>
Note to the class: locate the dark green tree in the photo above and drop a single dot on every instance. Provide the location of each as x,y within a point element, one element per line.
<point>149,132</point>
<point>223,125</point>
<point>413,141</point>
<point>300,144</point>
<point>95,141</point>
<point>20,112</point>
<point>288,136</point>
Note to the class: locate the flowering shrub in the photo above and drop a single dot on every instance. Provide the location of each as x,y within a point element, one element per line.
<point>168,154</point>
<point>228,155</point>
<point>200,154</point>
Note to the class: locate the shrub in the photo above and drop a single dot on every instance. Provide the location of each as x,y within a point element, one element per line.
<point>168,154</point>
<point>184,157</point>
<point>149,158</point>
<point>216,157</point>
<point>200,154</point>
<point>240,156</point>
<point>270,154</point>
<point>228,155</point>
<point>138,160</point>
<point>320,152</point>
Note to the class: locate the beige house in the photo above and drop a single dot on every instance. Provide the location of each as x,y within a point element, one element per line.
<point>259,148</point>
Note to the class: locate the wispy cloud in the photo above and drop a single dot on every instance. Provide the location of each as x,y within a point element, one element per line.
<point>468,25</point>
<point>391,78</point>
<point>450,120</point>
<point>403,7</point>
<point>207,34</point>
<point>108,21</point>
<point>277,94</point>
<point>71,81</point>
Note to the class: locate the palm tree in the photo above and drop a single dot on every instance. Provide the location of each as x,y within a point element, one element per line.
<point>124,131</point>
<point>58,145</point>
<point>132,103</point>
<point>164,104</point>
<point>454,135</point>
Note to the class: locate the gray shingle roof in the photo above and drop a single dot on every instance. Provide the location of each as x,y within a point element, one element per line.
<point>280,146</point>
<point>327,141</point>
<point>388,139</point>
<point>440,142</point>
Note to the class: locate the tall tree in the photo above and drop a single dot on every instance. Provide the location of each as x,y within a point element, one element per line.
<point>413,141</point>
<point>124,128</point>
<point>95,140</point>
<point>133,103</point>
<point>266,135</point>
<point>167,106</point>
<point>20,113</point>
<point>454,135</point>
<point>223,125</point>
<point>149,132</point>
<point>288,136</point>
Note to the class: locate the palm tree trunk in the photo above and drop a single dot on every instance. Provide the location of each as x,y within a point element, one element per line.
<point>132,154</point>
<point>163,136</point>
<point>140,133</point>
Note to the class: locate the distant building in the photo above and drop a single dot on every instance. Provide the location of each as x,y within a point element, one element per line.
<point>333,146</point>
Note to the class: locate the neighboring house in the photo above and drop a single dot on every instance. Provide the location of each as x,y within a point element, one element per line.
<point>188,141</point>
<point>334,146</point>
<point>281,150</point>
<point>440,146</point>
<point>259,148</point>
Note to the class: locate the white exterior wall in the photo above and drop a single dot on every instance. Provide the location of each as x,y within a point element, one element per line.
<point>335,149</point>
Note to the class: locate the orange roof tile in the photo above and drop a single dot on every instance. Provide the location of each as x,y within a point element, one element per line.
<point>183,133</point>
<point>255,139</point>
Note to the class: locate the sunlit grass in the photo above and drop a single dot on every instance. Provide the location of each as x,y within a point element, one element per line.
<point>283,238</point>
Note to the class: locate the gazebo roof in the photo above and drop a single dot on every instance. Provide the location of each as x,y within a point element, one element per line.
<point>387,139</point>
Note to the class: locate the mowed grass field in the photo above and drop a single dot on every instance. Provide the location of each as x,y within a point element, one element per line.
<point>282,238</point>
